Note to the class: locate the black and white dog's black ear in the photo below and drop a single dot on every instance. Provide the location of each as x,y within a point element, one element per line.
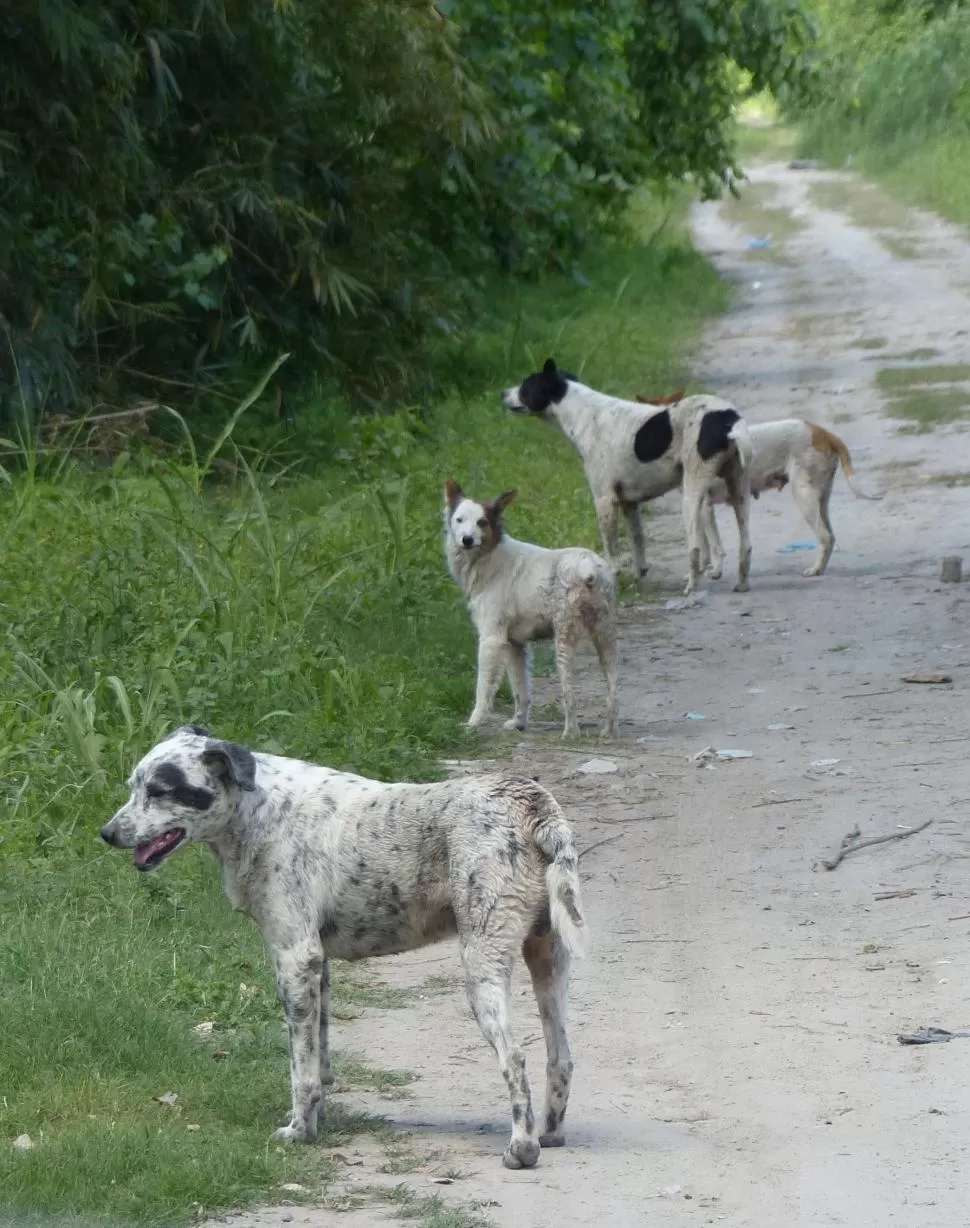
<point>550,367</point>
<point>230,762</point>
<point>196,730</point>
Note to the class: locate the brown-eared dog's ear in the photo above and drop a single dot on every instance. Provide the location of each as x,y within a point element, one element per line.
<point>453,493</point>
<point>498,506</point>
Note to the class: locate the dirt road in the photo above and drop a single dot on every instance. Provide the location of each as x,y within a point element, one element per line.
<point>735,1028</point>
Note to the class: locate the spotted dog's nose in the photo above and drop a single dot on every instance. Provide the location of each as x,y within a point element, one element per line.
<point>468,541</point>
<point>108,836</point>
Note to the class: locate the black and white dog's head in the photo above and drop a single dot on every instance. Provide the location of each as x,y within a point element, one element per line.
<point>538,391</point>
<point>186,788</point>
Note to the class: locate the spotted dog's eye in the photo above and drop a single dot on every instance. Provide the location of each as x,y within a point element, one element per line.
<point>483,523</point>
<point>153,789</point>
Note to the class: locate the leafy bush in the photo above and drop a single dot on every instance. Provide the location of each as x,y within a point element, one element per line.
<point>896,96</point>
<point>190,182</point>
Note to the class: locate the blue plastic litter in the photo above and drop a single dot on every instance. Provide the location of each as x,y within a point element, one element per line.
<point>796,547</point>
<point>757,243</point>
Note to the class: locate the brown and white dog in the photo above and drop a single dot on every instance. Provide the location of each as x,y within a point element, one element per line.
<point>516,593</point>
<point>789,451</point>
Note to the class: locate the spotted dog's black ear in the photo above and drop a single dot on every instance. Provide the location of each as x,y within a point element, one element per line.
<point>196,730</point>
<point>549,367</point>
<point>231,762</point>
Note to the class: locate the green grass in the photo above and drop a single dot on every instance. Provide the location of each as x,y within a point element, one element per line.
<point>895,379</point>
<point>896,101</point>
<point>931,407</point>
<point>870,343</point>
<point>308,614</point>
<point>764,142</point>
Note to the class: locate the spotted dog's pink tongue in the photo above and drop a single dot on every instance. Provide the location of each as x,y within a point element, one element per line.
<point>151,848</point>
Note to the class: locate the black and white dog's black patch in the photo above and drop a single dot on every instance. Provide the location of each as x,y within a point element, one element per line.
<point>715,433</point>
<point>653,439</point>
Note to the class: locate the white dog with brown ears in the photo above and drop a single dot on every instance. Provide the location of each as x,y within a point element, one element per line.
<point>518,592</point>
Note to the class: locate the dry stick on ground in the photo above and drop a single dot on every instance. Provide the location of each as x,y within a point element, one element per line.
<point>600,843</point>
<point>853,841</point>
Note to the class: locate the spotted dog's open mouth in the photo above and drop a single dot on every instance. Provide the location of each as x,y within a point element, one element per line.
<point>153,852</point>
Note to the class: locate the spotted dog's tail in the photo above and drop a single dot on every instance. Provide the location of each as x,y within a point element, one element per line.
<point>554,840</point>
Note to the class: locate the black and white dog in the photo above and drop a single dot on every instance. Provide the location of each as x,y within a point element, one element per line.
<point>633,452</point>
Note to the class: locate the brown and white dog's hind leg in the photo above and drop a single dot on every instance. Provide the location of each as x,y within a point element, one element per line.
<point>604,641</point>
<point>813,503</point>
<point>487,978</point>
<point>520,682</point>
<point>565,637</point>
<point>547,959</point>
<point>299,969</point>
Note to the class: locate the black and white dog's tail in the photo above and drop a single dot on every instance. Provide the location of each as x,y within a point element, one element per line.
<point>741,436</point>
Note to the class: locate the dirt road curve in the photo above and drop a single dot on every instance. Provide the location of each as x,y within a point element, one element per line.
<point>734,1029</point>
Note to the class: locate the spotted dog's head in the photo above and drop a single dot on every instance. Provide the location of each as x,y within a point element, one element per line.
<point>186,788</point>
<point>471,525</point>
<point>538,391</point>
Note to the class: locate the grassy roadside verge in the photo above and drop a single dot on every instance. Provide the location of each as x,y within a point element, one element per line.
<point>310,615</point>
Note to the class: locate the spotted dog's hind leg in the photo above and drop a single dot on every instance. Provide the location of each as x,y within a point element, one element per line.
<point>548,962</point>
<point>326,1070</point>
<point>487,981</point>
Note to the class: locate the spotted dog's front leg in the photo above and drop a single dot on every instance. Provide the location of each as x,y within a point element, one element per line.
<point>299,973</point>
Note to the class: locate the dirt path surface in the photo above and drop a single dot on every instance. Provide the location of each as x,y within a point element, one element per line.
<point>735,1027</point>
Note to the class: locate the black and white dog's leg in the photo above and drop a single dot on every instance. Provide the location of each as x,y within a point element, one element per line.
<point>739,496</point>
<point>606,513</point>
<point>491,665</point>
<point>519,663</point>
<point>299,969</point>
<point>713,553</point>
<point>693,500</point>
<point>634,522</point>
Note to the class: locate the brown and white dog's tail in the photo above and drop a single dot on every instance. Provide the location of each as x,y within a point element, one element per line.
<point>554,840</point>
<point>826,441</point>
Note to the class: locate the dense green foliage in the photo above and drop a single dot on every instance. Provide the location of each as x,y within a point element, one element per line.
<point>190,182</point>
<point>896,96</point>
<point>313,615</point>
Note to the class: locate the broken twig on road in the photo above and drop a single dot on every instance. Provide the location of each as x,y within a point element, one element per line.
<point>853,841</point>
